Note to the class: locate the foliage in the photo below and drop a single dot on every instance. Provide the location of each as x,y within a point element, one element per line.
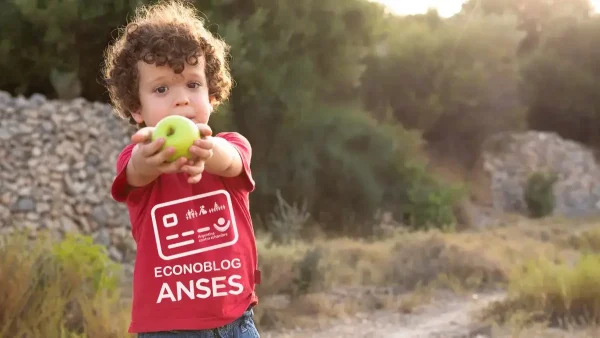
<point>347,165</point>
<point>454,80</point>
<point>587,241</point>
<point>338,98</point>
<point>539,194</point>
<point>45,43</point>
<point>559,293</point>
<point>89,259</point>
<point>68,288</point>
<point>534,17</point>
<point>298,68</point>
<point>560,82</point>
<point>286,222</point>
<point>308,274</point>
<point>558,62</point>
<point>432,203</point>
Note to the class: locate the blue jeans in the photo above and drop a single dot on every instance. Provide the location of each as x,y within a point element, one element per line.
<point>242,327</point>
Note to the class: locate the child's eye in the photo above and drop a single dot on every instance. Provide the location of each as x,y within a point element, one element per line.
<point>194,85</point>
<point>161,89</point>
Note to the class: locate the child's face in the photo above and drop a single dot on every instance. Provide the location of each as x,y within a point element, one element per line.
<point>163,93</point>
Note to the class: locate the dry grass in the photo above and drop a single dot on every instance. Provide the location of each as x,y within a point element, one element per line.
<point>338,277</point>
<point>302,276</point>
<point>58,289</point>
<point>401,261</point>
<point>559,294</point>
<point>558,290</point>
<point>310,283</point>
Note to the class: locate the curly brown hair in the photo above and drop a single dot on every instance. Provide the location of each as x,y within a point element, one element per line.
<point>166,33</point>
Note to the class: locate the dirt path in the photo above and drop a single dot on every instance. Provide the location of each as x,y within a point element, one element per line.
<point>451,318</point>
<point>445,316</point>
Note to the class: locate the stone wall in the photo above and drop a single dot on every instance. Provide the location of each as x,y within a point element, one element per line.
<point>57,163</point>
<point>510,158</point>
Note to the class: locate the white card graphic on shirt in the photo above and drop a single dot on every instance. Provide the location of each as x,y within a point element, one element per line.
<point>193,225</point>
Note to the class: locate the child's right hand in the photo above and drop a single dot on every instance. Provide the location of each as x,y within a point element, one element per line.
<point>147,158</point>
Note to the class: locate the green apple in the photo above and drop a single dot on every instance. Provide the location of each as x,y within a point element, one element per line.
<point>179,132</point>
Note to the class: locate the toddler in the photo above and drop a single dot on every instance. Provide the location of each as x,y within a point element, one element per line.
<point>196,264</point>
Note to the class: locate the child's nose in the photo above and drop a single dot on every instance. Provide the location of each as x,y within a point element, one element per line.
<point>182,101</point>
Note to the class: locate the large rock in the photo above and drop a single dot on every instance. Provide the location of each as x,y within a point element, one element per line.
<point>57,165</point>
<point>510,158</point>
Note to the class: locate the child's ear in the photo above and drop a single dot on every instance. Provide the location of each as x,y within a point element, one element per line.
<point>137,116</point>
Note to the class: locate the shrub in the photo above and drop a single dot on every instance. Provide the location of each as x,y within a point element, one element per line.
<point>587,241</point>
<point>539,194</point>
<point>400,260</point>
<point>560,293</point>
<point>349,166</point>
<point>309,276</point>
<point>286,222</point>
<point>66,288</point>
<point>429,258</point>
<point>433,203</point>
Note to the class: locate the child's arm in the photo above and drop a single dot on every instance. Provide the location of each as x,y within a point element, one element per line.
<point>228,155</point>
<point>225,160</point>
<point>214,155</point>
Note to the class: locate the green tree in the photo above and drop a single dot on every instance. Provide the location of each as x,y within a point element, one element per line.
<point>42,41</point>
<point>296,64</point>
<point>534,16</point>
<point>560,82</point>
<point>455,80</point>
<point>298,68</point>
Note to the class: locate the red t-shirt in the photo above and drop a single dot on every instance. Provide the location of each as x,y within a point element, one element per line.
<point>196,258</point>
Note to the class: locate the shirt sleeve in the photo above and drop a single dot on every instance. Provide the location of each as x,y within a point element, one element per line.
<point>120,188</point>
<point>244,181</point>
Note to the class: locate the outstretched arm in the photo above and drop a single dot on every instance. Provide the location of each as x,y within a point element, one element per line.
<point>225,160</point>
<point>216,155</point>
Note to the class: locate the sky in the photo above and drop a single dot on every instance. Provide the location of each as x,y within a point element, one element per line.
<point>446,8</point>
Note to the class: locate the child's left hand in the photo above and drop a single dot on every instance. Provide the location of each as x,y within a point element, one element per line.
<point>202,150</point>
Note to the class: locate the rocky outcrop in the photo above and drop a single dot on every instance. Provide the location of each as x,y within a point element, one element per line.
<point>510,158</point>
<point>57,163</point>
